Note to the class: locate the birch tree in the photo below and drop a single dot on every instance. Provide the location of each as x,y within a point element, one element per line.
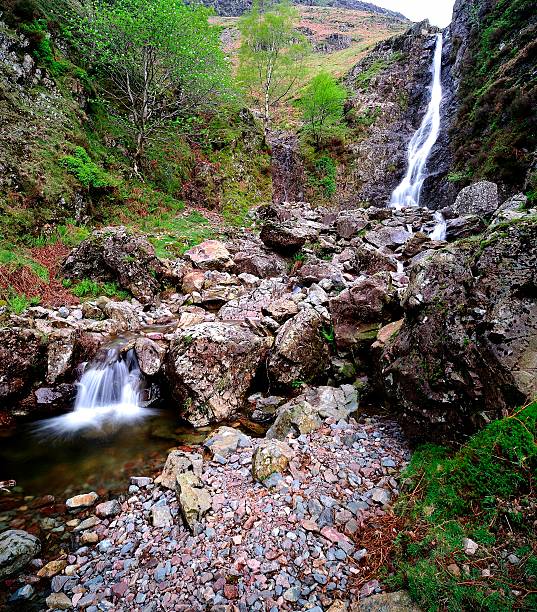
<point>161,62</point>
<point>271,56</point>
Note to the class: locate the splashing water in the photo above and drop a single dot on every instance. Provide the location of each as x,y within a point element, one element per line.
<point>408,191</point>
<point>109,393</point>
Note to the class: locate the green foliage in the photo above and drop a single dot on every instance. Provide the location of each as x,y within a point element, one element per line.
<point>14,259</point>
<point>495,131</point>
<point>43,49</point>
<point>363,80</point>
<point>89,288</point>
<point>328,333</point>
<point>448,496</point>
<point>322,108</point>
<point>324,175</point>
<point>86,171</point>
<point>162,60</point>
<point>19,302</point>
<point>271,55</point>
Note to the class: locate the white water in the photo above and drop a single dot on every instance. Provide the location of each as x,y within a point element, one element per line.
<point>109,393</point>
<point>407,193</point>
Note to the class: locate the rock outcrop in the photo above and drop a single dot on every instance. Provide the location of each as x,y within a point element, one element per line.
<point>210,367</point>
<point>467,350</point>
<point>115,254</point>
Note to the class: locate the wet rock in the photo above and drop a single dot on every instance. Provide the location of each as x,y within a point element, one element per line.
<point>22,358</point>
<point>478,199</point>
<point>360,311</point>
<point>210,255</point>
<point>224,441</point>
<point>296,418</point>
<point>179,462</point>
<point>300,352</point>
<point>285,239</point>
<point>269,457</point>
<point>463,227</point>
<point>194,499</point>
<point>467,347</point>
<point>210,368</point>
<point>58,396</point>
<point>150,356</point>
<point>60,353</point>
<point>25,593</point>
<point>17,549</point>
<point>85,500</point>
<point>117,254</point>
<point>108,509</point>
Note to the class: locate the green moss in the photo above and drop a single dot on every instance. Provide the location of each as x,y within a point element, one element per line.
<point>80,165</point>
<point>89,288</point>
<point>470,493</point>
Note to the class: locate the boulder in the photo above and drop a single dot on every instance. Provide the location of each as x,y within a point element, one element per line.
<point>58,601</point>
<point>108,509</point>
<point>467,350</point>
<point>462,227</point>
<point>300,352</point>
<point>193,498</point>
<point>85,500</point>
<point>282,238</point>
<point>22,359</point>
<point>363,258</point>
<point>315,270</point>
<point>123,313</point>
<point>386,236</point>
<point>295,417</point>
<point>58,396</point>
<point>250,305</point>
<point>359,311</point>
<point>17,549</point>
<point>350,222</point>
<point>478,199</point>
<point>269,457</point>
<point>281,309</point>
<point>150,355</point>
<point>224,441</point>
<point>400,601</point>
<point>179,462</point>
<point>116,254</point>
<point>333,402</point>
<point>210,255</point>
<point>60,349</point>
<point>259,263</point>
<point>210,367</point>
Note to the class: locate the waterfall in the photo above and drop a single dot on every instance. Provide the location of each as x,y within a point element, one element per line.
<point>408,191</point>
<point>109,392</point>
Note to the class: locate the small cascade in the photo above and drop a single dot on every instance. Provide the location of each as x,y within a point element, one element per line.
<point>439,231</point>
<point>408,191</point>
<point>109,393</point>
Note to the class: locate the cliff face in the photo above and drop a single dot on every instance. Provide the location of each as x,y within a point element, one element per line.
<point>389,95</point>
<point>489,125</point>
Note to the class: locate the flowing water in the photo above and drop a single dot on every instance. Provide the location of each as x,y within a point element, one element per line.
<point>408,192</point>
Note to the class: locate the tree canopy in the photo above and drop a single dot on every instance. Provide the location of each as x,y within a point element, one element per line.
<point>271,55</point>
<point>162,61</point>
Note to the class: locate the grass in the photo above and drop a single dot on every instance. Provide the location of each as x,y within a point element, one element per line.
<point>88,288</point>
<point>484,491</point>
<point>14,259</point>
<point>18,302</point>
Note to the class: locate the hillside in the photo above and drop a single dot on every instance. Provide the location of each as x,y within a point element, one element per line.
<point>234,8</point>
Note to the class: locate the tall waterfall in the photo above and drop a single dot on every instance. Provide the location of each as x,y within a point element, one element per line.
<point>109,392</point>
<point>408,191</point>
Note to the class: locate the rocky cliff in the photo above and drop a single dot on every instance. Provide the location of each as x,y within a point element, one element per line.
<point>489,87</point>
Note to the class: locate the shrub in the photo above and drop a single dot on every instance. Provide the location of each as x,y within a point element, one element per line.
<point>86,171</point>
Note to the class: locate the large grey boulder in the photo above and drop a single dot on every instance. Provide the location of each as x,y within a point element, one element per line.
<point>285,238</point>
<point>478,199</point>
<point>193,497</point>
<point>210,367</point>
<point>269,457</point>
<point>17,549</point>
<point>120,255</point>
<point>300,352</point>
<point>467,350</point>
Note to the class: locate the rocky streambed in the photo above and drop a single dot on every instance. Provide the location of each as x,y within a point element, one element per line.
<point>288,328</point>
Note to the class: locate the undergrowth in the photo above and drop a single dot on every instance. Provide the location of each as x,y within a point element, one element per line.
<point>485,491</point>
